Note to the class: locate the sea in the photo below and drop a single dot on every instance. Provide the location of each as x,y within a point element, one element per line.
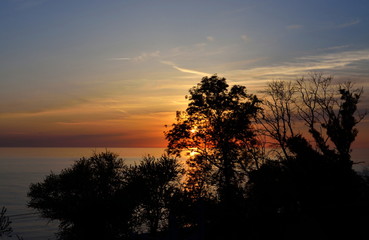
<point>19,167</point>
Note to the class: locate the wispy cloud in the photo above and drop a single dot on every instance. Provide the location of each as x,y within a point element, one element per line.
<point>349,24</point>
<point>335,47</point>
<point>210,38</point>
<point>202,45</point>
<point>339,59</point>
<point>140,58</point>
<point>185,70</point>
<point>245,38</point>
<point>300,66</point>
<point>146,55</point>
<point>119,59</point>
<point>81,123</point>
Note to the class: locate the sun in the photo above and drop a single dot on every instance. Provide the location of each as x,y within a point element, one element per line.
<point>193,152</point>
<point>194,129</point>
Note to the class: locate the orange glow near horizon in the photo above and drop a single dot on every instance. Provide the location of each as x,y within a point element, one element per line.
<point>118,76</point>
<point>96,124</point>
<point>87,126</point>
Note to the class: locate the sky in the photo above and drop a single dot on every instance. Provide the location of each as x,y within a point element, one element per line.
<point>112,73</point>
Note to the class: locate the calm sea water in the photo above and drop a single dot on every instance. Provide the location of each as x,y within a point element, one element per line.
<point>21,166</point>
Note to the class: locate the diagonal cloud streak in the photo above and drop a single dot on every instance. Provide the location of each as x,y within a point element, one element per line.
<point>349,24</point>
<point>120,59</point>
<point>185,70</point>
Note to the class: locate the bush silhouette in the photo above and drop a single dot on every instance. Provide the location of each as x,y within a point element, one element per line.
<point>90,199</point>
<point>100,197</point>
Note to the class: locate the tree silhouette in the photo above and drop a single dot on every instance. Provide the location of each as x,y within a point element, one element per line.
<point>229,190</point>
<point>308,192</point>
<point>157,179</point>
<point>91,199</point>
<point>217,129</point>
<point>310,188</point>
<point>5,224</point>
<point>329,114</point>
<point>279,113</point>
<point>100,197</point>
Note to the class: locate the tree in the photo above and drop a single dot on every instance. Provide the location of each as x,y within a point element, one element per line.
<point>279,113</point>
<point>158,180</point>
<point>91,199</point>
<point>312,187</point>
<point>100,197</point>
<point>328,113</point>
<point>6,229</point>
<point>216,130</point>
<point>5,224</point>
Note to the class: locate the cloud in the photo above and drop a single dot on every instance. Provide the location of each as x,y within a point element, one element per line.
<point>200,45</point>
<point>71,123</point>
<point>140,58</point>
<point>349,24</point>
<point>210,38</point>
<point>185,70</point>
<point>145,56</point>
<point>119,59</point>
<point>300,66</point>
<point>294,26</point>
<point>339,59</point>
<point>245,38</point>
<point>335,47</point>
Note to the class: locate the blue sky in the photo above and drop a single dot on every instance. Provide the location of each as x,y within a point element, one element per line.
<point>113,73</point>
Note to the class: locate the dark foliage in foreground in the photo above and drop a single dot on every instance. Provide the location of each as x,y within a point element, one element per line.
<point>91,199</point>
<point>102,198</point>
<point>5,224</point>
<point>230,190</point>
<point>6,230</point>
<point>308,195</point>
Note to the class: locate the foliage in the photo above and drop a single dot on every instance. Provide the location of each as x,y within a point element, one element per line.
<point>228,188</point>
<point>216,129</point>
<point>90,199</point>
<point>157,179</point>
<point>303,188</point>
<point>101,197</point>
<point>5,224</point>
<point>310,187</point>
<point>6,230</point>
<point>309,192</point>
<point>329,114</point>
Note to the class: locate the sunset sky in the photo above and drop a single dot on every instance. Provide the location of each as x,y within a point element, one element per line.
<point>112,73</point>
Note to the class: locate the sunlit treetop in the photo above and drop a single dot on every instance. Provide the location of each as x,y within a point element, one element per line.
<point>215,116</point>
